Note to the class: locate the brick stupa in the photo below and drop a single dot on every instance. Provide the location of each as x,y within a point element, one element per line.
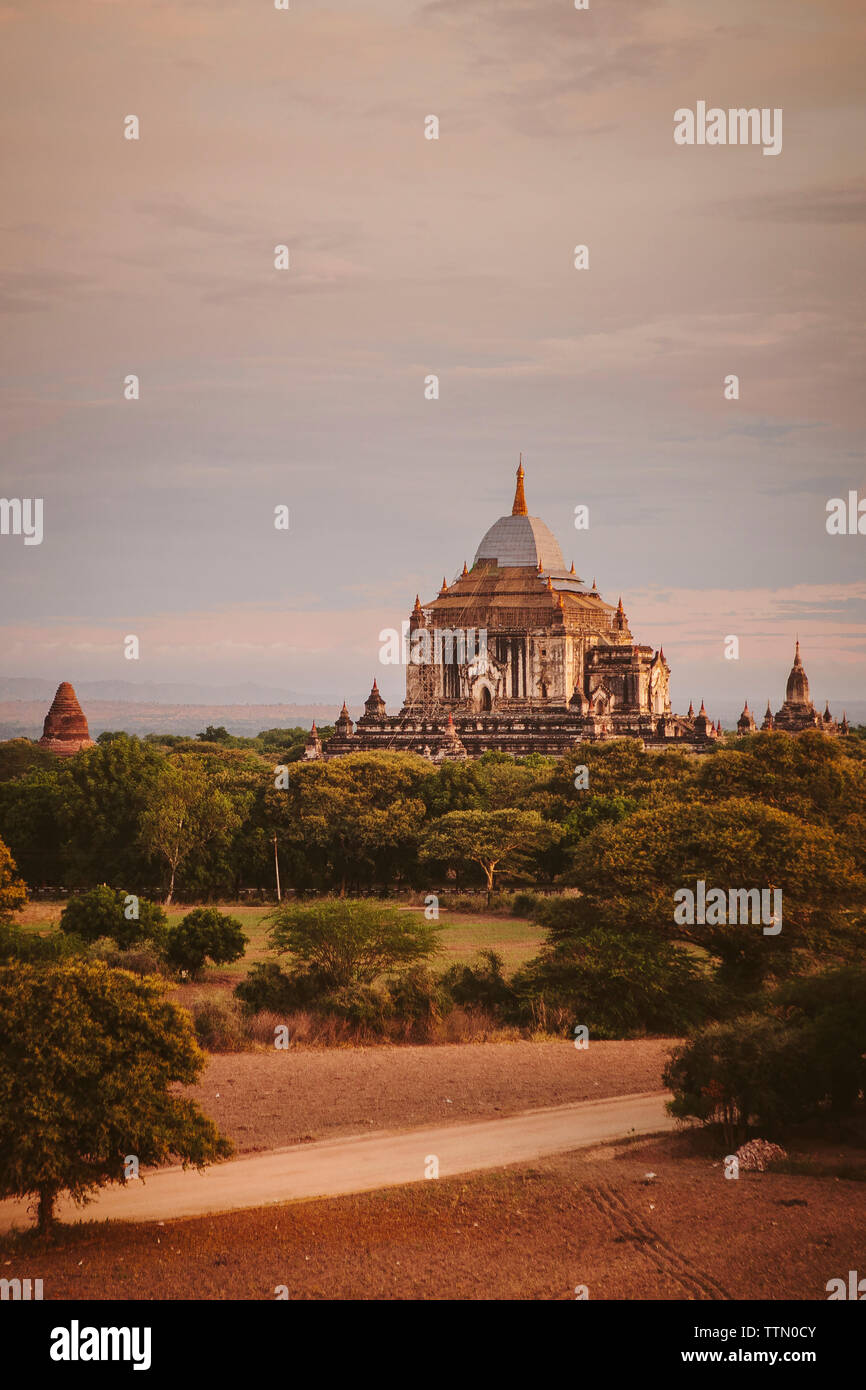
<point>65,730</point>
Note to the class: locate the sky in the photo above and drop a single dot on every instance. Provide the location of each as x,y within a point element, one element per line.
<point>412,257</point>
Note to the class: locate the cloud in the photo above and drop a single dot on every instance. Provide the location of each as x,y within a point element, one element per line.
<point>840,205</point>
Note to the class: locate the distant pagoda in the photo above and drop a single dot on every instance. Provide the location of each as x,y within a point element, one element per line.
<point>65,729</point>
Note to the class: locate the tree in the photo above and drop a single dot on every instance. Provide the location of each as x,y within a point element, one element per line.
<point>13,890</point>
<point>350,941</point>
<point>812,777</point>
<point>186,812</point>
<point>211,734</point>
<point>835,1003</point>
<point>354,820</point>
<point>493,840</point>
<point>104,792</point>
<point>618,984</point>
<point>31,824</point>
<point>204,934</point>
<point>19,755</point>
<point>734,844</point>
<point>113,912</point>
<point>88,1060</point>
<point>754,1070</point>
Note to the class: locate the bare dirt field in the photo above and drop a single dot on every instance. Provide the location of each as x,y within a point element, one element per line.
<point>266,1100</point>
<point>536,1231</point>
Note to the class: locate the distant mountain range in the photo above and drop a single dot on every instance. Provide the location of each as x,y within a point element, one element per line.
<point>24,718</point>
<point>157,693</point>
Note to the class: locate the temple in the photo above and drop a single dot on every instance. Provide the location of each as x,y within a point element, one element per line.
<point>797,713</point>
<point>519,654</point>
<point>65,729</point>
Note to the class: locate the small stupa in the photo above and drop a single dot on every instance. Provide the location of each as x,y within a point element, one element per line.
<point>65,729</point>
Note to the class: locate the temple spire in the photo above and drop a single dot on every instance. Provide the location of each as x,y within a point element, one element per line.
<point>519,508</point>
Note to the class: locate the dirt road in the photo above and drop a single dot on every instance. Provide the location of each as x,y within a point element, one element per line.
<point>360,1163</point>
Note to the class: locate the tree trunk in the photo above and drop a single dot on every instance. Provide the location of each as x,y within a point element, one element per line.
<point>170,892</point>
<point>489,872</point>
<point>45,1211</point>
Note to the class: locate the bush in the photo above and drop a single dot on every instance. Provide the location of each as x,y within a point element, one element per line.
<point>104,912</point>
<point>220,1027</point>
<point>525,904</point>
<point>482,985</point>
<point>19,945</point>
<point>204,934</point>
<point>570,917</point>
<point>835,1004</point>
<point>363,1006</point>
<point>418,999</point>
<point>753,1073</point>
<point>140,961</point>
<point>268,987</point>
<point>619,985</point>
<point>350,941</point>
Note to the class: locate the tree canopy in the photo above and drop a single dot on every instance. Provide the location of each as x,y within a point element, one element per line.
<point>89,1058</point>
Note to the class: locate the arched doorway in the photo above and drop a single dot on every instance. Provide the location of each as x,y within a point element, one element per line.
<point>485,703</point>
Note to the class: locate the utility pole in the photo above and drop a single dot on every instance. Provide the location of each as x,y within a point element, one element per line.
<point>277,867</point>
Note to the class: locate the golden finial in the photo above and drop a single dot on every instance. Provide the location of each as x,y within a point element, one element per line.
<point>519,508</point>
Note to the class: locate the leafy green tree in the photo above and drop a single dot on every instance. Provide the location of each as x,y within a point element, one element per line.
<point>31,824</point>
<point>732,844</point>
<point>752,1071</point>
<point>19,756</point>
<point>495,841</point>
<point>622,768</point>
<point>204,934</point>
<point>185,813</point>
<point>124,917</point>
<point>211,734</point>
<point>89,1059</point>
<point>356,819</point>
<point>834,1002</point>
<point>812,777</point>
<point>104,793</point>
<point>13,890</point>
<point>347,941</point>
<point>617,984</point>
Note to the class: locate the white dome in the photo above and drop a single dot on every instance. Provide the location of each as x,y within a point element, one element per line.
<point>521,540</point>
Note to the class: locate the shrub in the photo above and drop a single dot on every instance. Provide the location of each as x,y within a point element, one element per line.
<point>351,941</point>
<point>418,999</point>
<point>220,1027</point>
<point>569,917</point>
<point>363,1006</point>
<point>835,1003</point>
<point>104,912</point>
<point>525,904</point>
<point>482,984</point>
<point>140,961</point>
<point>619,985</point>
<point>267,987</point>
<point>754,1072</point>
<point>19,945</point>
<point>204,934</point>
